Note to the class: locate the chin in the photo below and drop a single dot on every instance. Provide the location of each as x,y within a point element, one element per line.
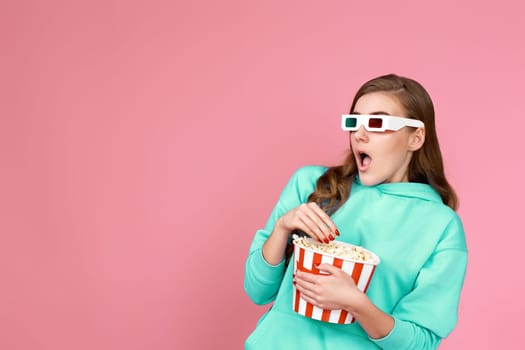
<point>369,180</point>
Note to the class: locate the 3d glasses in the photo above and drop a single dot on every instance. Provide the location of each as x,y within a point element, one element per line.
<point>352,122</point>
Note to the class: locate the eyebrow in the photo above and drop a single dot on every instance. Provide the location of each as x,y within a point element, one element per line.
<point>374,113</point>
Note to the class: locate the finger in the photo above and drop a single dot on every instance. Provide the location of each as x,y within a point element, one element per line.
<point>308,296</point>
<point>330,269</point>
<point>324,221</point>
<point>321,228</point>
<point>299,221</point>
<point>311,227</point>
<point>309,293</point>
<point>304,285</point>
<point>306,277</point>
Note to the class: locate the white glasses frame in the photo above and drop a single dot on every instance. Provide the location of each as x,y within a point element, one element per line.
<point>388,122</point>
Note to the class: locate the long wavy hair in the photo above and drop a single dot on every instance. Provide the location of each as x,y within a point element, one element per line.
<point>426,166</point>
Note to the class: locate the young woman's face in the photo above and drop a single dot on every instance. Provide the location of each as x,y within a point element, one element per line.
<point>383,157</point>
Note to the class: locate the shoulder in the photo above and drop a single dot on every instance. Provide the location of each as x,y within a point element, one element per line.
<point>444,212</point>
<point>452,231</point>
<point>422,208</point>
<point>303,181</point>
<point>454,236</point>
<point>309,173</point>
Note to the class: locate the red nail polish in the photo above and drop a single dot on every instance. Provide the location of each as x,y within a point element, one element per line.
<point>326,240</point>
<point>337,232</point>
<point>319,240</point>
<point>331,237</point>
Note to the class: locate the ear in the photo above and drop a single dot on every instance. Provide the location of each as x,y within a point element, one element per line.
<point>416,139</point>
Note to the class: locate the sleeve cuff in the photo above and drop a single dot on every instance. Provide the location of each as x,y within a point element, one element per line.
<point>397,337</point>
<point>267,271</point>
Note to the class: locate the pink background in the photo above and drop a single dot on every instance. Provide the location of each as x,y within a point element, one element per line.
<point>143,143</point>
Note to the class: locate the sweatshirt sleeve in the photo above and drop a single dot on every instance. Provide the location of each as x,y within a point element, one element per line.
<point>261,279</point>
<point>429,312</point>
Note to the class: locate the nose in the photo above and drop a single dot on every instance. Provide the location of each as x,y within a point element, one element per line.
<point>361,134</point>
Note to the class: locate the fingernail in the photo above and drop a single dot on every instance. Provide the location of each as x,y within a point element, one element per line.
<point>319,240</point>
<point>331,237</point>
<point>337,232</point>
<point>326,240</point>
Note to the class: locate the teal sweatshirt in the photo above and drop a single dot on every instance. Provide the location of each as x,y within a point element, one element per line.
<point>420,242</point>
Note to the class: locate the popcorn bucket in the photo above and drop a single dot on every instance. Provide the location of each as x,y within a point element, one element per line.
<point>306,259</point>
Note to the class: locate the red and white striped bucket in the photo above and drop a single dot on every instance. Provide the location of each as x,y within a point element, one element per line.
<point>306,259</point>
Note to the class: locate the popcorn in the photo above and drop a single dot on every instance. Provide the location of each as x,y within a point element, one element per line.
<point>357,262</point>
<point>345,251</point>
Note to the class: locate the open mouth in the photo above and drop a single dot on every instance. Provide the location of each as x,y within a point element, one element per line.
<point>364,160</point>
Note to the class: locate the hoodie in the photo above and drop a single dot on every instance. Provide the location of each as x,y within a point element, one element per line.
<point>422,247</point>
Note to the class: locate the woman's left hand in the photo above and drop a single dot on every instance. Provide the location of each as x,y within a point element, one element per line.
<point>333,290</point>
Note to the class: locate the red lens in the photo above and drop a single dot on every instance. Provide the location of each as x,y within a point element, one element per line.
<point>375,123</point>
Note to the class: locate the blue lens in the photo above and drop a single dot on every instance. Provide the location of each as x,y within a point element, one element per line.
<point>350,122</point>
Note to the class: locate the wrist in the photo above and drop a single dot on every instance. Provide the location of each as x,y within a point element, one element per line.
<point>274,249</point>
<point>376,323</point>
<point>356,302</point>
<point>280,230</point>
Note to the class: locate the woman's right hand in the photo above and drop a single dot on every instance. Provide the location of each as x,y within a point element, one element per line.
<point>308,218</point>
<point>312,220</point>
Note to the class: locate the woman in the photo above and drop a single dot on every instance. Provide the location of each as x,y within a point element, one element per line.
<point>390,196</point>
